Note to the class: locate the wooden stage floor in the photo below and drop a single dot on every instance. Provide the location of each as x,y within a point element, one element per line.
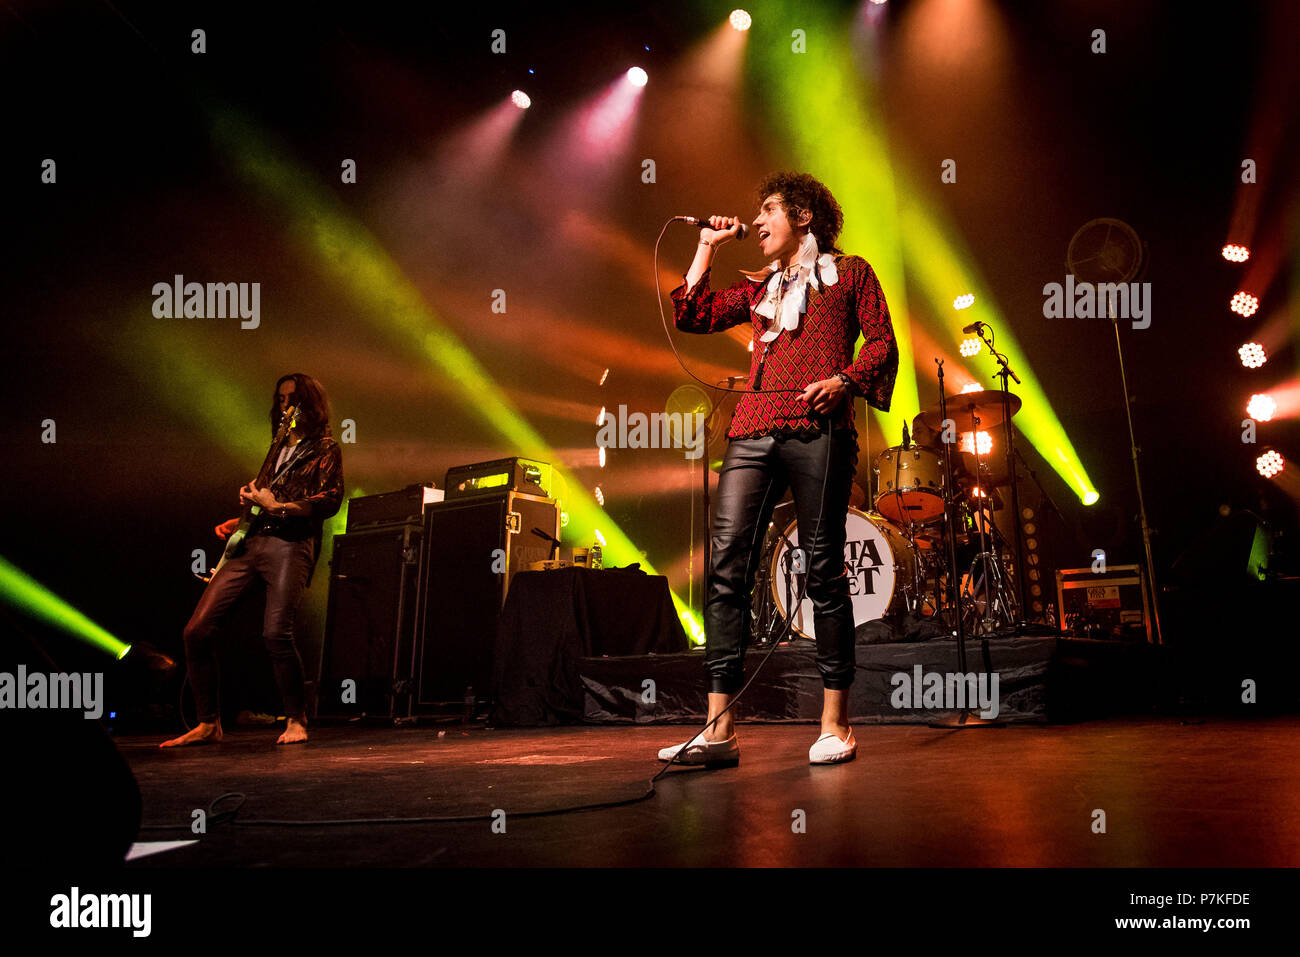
<point>1212,792</point>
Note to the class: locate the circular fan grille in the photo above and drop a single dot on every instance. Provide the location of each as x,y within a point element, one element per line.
<point>1105,250</point>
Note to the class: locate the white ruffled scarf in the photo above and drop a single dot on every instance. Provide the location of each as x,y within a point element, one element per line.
<point>808,268</point>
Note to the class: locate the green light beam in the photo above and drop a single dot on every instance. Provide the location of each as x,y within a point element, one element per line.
<point>32,598</point>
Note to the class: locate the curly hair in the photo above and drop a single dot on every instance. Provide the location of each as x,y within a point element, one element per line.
<point>799,191</point>
<point>313,405</point>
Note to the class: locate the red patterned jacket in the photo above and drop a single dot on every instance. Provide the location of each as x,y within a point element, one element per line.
<point>821,347</point>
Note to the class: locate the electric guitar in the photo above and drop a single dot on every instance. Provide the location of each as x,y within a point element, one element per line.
<point>235,544</point>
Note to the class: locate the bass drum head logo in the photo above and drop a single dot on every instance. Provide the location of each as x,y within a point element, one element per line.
<point>874,552</point>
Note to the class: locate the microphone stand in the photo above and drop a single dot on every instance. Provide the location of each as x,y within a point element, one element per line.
<point>964,718</point>
<point>1021,621</point>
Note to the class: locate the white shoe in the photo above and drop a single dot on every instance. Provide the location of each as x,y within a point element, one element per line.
<point>829,749</point>
<point>712,754</point>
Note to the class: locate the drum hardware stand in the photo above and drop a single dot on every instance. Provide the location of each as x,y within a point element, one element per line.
<point>994,582</point>
<point>964,718</point>
<point>989,560</point>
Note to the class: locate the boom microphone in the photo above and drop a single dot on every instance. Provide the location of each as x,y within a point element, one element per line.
<point>973,327</point>
<point>703,223</point>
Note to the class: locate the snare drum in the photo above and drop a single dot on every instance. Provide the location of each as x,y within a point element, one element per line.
<point>880,561</point>
<point>910,485</point>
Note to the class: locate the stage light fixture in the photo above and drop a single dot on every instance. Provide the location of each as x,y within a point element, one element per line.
<point>603,376</point>
<point>601,454</point>
<point>1261,407</point>
<point>521,99</point>
<point>1270,463</point>
<point>970,347</point>
<point>740,20</point>
<point>972,387</point>
<point>1235,254</point>
<point>1244,304</point>
<point>1252,355</point>
<point>964,301</point>
<point>638,76</point>
<point>985,443</point>
<point>1091,498</point>
<point>600,497</point>
<point>600,417</point>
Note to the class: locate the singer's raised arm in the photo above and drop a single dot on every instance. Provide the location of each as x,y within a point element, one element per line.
<point>704,310</point>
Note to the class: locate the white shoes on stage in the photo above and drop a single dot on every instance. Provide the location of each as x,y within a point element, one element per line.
<point>711,754</point>
<point>829,749</point>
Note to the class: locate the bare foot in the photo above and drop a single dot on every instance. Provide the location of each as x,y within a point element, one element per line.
<point>294,733</point>
<point>205,733</point>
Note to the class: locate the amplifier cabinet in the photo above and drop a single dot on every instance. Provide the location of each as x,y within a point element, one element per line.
<point>370,623</point>
<point>472,548</point>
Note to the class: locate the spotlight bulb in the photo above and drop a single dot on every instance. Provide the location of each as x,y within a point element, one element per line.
<point>1252,355</point>
<point>740,20</point>
<point>520,99</point>
<point>638,76</point>
<point>1244,304</point>
<point>1269,464</point>
<point>1261,407</point>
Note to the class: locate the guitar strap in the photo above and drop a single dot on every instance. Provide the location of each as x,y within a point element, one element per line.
<point>288,463</point>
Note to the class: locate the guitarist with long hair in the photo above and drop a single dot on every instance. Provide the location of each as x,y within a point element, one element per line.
<point>277,541</point>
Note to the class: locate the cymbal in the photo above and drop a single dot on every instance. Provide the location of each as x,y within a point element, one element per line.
<point>963,408</point>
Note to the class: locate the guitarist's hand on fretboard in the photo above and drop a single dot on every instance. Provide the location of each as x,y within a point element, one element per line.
<point>263,498</point>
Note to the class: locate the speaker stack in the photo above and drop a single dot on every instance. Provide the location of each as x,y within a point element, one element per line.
<point>417,585</point>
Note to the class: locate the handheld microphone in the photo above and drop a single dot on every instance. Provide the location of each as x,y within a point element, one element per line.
<point>703,223</point>
<point>973,327</point>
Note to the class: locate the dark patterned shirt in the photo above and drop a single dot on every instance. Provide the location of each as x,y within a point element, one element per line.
<point>314,478</point>
<point>821,347</point>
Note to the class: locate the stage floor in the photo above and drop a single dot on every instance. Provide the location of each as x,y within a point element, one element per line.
<point>1212,793</point>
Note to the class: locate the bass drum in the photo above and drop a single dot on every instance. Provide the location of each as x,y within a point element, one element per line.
<point>880,561</point>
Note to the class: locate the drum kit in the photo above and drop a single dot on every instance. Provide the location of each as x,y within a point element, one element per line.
<point>896,554</point>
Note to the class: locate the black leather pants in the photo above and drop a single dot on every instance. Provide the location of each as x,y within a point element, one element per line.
<point>755,476</point>
<point>284,566</point>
